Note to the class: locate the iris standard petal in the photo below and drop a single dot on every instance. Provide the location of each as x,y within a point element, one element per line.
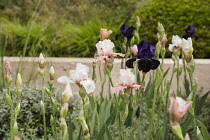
<point>145,64</point>
<point>190,30</point>
<point>155,64</point>
<point>145,50</point>
<point>129,62</point>
<point>124,28</point>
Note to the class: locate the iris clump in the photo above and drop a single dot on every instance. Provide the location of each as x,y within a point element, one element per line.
<point>126,31</point>
<point>146,62</point>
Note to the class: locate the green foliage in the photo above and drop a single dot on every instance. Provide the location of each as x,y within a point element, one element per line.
<point>66,28</point>
<point>176,15</point>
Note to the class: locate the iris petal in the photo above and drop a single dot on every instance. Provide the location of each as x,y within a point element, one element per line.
<point>129,62</point>
<point>145,64</point>
<point>155,64</point>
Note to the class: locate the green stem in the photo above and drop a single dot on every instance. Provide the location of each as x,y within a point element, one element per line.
<point>43,113</point>
<point>120,127</point>
<point>153,109</point>
<point>111,82</point>
<point>11,122</point>
<point>102,85</point>
<point>193,106</point>
<point>143,77</point>
<point>177,76</point>
<point>44,121</point>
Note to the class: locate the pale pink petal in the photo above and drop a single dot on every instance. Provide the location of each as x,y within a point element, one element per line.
<point>101,59</point>
<point>136,86</point>
<point>104,33</point>
<point>117,88</point>
<point>134,50</point>
<point>118,54</point>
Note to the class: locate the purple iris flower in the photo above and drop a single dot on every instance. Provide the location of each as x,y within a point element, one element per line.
<point>126,31</point>
<point>189,32</point>
<point>146,53</point>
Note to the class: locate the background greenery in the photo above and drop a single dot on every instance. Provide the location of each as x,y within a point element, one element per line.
<point>70,28</point>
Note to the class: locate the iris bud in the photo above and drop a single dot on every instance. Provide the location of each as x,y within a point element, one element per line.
<point>19,80</point>
<point>8,99</point>
<point>52,73</point>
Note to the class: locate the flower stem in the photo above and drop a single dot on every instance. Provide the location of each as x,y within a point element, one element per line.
<point>43,112</point>
<point>177,76</point>
<point>153,108</point>
<point>166,110</point>
<point>11,122</point>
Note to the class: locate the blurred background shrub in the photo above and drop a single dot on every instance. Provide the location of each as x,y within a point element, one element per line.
<point>176,15</point>
<point>70,28</point>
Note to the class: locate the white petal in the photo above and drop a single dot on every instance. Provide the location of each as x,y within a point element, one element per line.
<point>80,66</point>
<point>64,80</point>
<point>68,91</point>
<point>176,40</point>
<point>126,77</point>
<point>80,73</point>
<point>89,85</point>
<point>171,47</point>
<point>105,47</point>
<point>41,57</point>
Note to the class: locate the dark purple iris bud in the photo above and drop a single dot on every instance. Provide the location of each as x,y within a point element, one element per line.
<point>126,31</point>
<point>189,32</point>
<point>146,62</point>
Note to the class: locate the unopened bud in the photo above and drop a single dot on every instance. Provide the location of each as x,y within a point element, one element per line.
<point>7,68</point>
<point>63,126</point>
<point>86,105</point>
<point>18,92</point>
<point>189,69</point>
<point>51,120</point>
<point>82,93</point>
<point>42,107</point>
<point>17,109</point>
<point>138,23</point>
<point>176,129</point>
<point>8,99</point>
<point>195,84</point>
<point>163,52</point>
<point>67,94</point>
<point>52,73</point>
<point>158,47</point>
<point>8,80</point>
<point>15,129</point>
<point>42,72</point>
<point>48,92</point>
<point>199,135</point>
<point>41,61</point>
<point>64,110</point>
<point>19,80</point>
<point>161,29</point>
<point>54,105</point>
<point>187,137</point>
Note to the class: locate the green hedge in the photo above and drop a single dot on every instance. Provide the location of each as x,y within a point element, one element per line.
<point>176,15</point>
